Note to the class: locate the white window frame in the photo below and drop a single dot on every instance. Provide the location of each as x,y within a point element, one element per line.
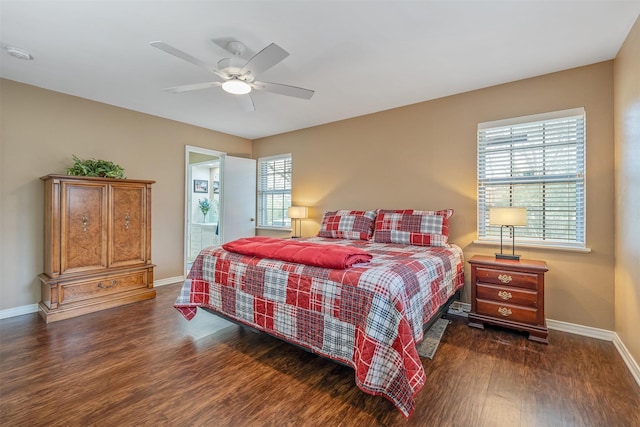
<point>271,217</point>
<point>527,142</point>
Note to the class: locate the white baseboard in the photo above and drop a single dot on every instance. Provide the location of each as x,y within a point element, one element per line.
<point>628,359</point>
<point>586,331</point>
<point>462,309</point>
<point>168,281</point>
<point>18,311</point>
<point>33,308</point>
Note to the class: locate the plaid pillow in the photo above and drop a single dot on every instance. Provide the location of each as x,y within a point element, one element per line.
<point>420,228</point>
<point>344,224</point>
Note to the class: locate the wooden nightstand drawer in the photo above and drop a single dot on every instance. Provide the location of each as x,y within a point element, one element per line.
<point>505,294</point>
<point>505,277</point>
<point>508,312</point>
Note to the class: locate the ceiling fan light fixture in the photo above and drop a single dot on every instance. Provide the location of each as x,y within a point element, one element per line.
<point>236,87</point>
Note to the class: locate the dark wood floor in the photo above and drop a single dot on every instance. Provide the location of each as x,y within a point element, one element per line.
<point>144,365</point>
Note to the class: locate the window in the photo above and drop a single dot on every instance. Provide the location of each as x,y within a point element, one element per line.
<point>274,191</point>
<point>537,162</point>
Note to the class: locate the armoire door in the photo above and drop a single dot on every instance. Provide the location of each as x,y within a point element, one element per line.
<point>128,225</point>
<point>83,227</point>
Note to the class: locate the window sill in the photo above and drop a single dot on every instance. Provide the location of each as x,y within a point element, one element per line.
<point>283,229</point>
<point>534,246</point>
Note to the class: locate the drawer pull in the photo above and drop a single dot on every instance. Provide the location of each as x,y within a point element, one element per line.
<point>505,278</point>
<point>127,218</point>
<point>85,222</point>
<point>113,284</point>
<point>505,295</point>
<point>504,311</point>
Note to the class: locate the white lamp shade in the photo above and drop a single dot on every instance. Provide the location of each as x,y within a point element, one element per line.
<point>508,216</point>
<point>297,212</point>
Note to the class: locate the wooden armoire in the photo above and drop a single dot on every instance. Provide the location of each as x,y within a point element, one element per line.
<point>97,236</point>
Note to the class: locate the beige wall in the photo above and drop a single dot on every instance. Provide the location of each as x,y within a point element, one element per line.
<point>420,156</point>
<point>423,156</point>
<point>40,130</point>
<point>627,202</point>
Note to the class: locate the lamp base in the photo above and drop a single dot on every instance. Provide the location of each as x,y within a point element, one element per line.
<point>506,256</point>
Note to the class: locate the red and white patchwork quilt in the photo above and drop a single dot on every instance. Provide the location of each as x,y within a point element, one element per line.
<point>369,316</point>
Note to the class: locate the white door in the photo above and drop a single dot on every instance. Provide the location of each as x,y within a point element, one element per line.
<point>238,194</point>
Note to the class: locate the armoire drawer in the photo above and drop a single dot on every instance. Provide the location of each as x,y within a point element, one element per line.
<point>103,286</point>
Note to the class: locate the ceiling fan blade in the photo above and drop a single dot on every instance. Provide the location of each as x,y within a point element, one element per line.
<point>182,55</point>
<point>246,102</point>
<point>196,86</point>
<point>280,89</point>
<point>265,59</point>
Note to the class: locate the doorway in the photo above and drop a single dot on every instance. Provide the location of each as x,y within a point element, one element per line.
<point>202,204</point>
<point>220,200</point>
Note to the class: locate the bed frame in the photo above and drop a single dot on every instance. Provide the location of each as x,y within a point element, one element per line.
<point>441,313</point>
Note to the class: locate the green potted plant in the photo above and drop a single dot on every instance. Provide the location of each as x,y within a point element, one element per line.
<point>93,167</point>
<point>205,207</point>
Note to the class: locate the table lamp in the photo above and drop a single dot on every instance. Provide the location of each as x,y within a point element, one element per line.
<point>508,217</point>
<point>297,213</point>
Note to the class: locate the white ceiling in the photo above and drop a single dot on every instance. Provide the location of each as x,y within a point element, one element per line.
<point>359,56</point>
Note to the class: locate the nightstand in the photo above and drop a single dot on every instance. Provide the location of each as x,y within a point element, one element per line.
<point>510,294</point>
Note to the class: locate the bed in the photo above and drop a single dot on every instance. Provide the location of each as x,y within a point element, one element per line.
<point>368,315</point>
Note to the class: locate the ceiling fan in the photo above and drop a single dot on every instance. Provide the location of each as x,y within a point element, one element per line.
<point>236,75</point>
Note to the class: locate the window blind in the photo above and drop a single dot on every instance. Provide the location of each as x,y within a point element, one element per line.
<point>274,191</point>
<point>537,162</point>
